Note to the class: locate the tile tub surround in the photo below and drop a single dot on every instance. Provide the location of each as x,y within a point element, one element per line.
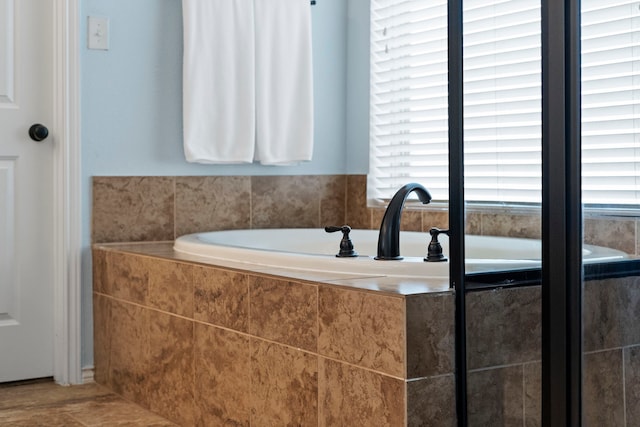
<point>157,208</point>
<point>204,345</point>
<point>161,208</point>
<point>503,355</point>
<point>208,345</point>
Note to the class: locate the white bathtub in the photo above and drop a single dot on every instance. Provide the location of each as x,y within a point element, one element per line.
<point>314,250</point>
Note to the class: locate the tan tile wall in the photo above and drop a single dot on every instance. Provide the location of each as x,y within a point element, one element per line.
<point>203,345</point>
<point>131,209</point>
<point>504,354</point>
<point>163,208</point>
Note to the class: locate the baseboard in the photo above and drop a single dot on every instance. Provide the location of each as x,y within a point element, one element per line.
<point>87,375</point>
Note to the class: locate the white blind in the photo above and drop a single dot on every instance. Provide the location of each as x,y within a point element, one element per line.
<point>502,87</point>
<point>611,102</point>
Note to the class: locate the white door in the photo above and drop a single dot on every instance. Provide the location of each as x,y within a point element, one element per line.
<point>26,188</point>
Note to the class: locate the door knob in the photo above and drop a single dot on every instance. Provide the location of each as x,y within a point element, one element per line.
<point>38,132</point>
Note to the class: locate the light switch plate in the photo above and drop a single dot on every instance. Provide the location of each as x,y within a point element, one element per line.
<point>98,33</point>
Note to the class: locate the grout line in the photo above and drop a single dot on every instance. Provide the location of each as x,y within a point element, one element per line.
<point>624,389</point>
<point>70,415</point>
<point>248,335</point>
<point>524,398</point>
<point>405,359</point>
<point>319,212</point>
<point>602,350</point>
<point>196,407</point>
<point>320,381</point>
<point>251,203</point>
<point>175,209</point>
<point>431,377</point>
<point>251,422</point>
<point>510,365</point>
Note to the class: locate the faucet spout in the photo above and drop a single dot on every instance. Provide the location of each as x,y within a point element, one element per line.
<point>389,238</point>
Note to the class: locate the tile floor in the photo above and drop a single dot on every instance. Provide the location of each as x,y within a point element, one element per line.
<point>43,403</point>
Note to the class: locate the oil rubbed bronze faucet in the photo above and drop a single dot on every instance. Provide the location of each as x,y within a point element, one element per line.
<point>389,238</point>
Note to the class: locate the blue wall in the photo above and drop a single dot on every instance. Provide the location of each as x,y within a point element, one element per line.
<point>132,113</point>
<point>357,145</point>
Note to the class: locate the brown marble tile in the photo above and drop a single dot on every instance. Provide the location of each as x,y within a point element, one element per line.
<point>46,394</point>
<point>430,335</point>
<point>101,337</point>
<point>431,402</point>
<point>503,224</point>
<point>332,200</point>
<point>113,411</point>
<point>351,396</point>
<point>99,269</point>
<point>533,394</point>
<point>221,297</point>
<point>439,219</point>
<point>129,355</point>
<point>38,418</point>
<point>473,223</point>
<point>357,213</point>
<point>610,313</point>
<point>132,209</point>
<point>611,233</point>
<point>210,203</point>
<point>285,202</point>
<point>285,312</point>
<point>284,385</point>
<point>222,377</point>
<point>602,393</point>
<point>632,384</point>
<point>44,403</point>
<point>377,214</point>
<point>128,276</point>
<point>171,286</point>
<point>362,328</point>
<point>495,397</point>
<point>411,220</point>
<point>503,327</point>
<point>171,371</point>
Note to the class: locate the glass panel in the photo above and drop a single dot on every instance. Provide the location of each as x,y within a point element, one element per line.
<point>611,292</point>
<point>502,163</point>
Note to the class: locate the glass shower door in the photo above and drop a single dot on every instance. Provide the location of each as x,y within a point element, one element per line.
<point>502,186</point>
<point>610,61</point>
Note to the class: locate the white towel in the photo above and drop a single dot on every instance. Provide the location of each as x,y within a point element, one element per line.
<point>219,81</point>
<point>284,82</point>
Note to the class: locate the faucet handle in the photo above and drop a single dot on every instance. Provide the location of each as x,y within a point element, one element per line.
<point>434,252</point>
<point>333,229</point>
<point>346,246</point>
<point>435,232</point>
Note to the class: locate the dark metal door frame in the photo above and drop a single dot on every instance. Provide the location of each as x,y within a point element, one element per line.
<point>561,211</point>
<point>561,215</point>
<point>456,201</point>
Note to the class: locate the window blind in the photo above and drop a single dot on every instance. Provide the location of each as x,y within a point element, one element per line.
<point>502,87</point>
<point>611,102</point>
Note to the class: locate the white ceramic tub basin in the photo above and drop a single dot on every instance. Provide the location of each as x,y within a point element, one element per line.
<point>314,250</point>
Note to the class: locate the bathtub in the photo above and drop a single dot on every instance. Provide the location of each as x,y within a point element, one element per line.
<point>314,250</point>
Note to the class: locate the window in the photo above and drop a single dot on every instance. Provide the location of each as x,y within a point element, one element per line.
<point>502,48</point>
